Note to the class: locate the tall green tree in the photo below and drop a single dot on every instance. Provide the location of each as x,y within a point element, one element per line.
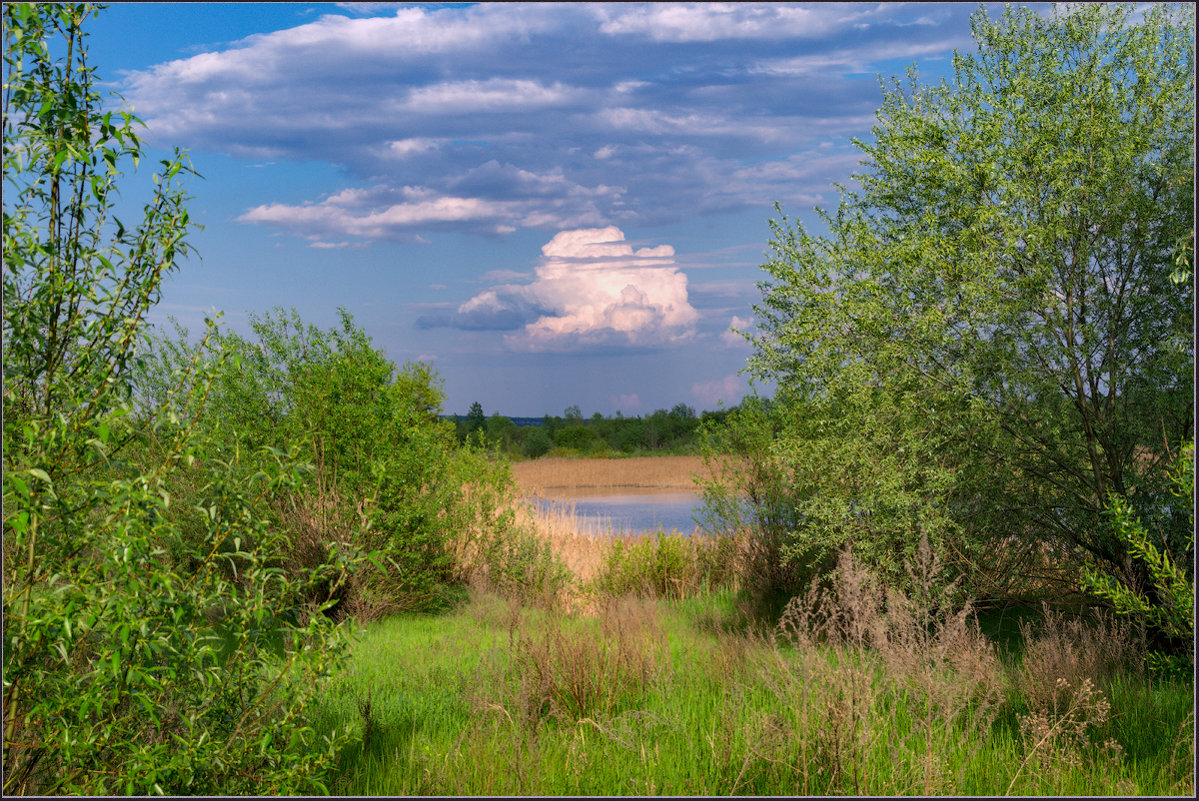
<point>126,671</point>
<point>475,419</point>
<point>988,342</point>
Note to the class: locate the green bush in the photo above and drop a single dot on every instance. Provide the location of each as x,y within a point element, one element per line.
<point>148,648</point>
<point>388,477</point>
<point>1167,606</point>
<point>536,443</point>
<point>575,437</point>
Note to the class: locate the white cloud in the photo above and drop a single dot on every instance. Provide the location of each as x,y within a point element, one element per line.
<point>598,290</point>
<point>334,215</point>
<point>382,212</point>
<point>416,146</point>
<point>731,337</point>
<point>591,289</point>
<point>631,401</point>
<point>496,94</point>
<point>706,22</point>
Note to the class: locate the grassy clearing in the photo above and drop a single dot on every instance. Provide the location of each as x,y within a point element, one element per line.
<point>855,692</point>
<point>655,697</point>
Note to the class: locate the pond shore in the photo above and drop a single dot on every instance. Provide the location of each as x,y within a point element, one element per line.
<point>638,475</point>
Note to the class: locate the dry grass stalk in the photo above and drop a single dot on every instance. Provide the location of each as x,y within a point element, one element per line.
<point>939,657</point>
<point>568,672</point>
<point>1058,734</point>
<point>856,644</point>
<point>1185,762</point>
<point>578,541</point>
<point>1071,649</point>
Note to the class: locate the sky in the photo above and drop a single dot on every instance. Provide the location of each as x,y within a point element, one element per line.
<point>554,204</point>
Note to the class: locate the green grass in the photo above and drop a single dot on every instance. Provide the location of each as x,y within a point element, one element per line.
<point>659,697</point>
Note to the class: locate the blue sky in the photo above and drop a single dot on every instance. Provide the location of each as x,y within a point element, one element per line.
<point>555,204</point>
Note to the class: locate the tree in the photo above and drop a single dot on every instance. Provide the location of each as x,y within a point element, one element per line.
<point>500,431</point>
<point>126,671</point>
<point>988,341</point>
<point>536,442</point>
<point>475,418</point>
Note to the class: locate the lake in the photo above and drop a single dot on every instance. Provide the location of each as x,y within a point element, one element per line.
<point>638,513</point>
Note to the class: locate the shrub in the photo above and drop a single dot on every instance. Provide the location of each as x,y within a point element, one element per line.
<point>536,442</point>
<point>575,437</point>
<point>147,649</point>
<point>1167,607</point>
<point>388,478</point>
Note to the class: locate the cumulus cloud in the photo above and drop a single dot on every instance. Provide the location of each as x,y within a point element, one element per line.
<point>591,289</point>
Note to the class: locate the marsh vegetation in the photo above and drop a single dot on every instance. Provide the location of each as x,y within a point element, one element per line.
<point>953,555</point>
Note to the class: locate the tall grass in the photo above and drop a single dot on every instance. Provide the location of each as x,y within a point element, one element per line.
<point>607,563</point>
<point>859,690</point>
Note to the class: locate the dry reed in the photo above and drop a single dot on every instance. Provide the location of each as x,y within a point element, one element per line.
<point>578,541</point>
<point>555,476</point>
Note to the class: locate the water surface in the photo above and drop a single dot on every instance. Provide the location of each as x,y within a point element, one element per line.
<point>638,513</point>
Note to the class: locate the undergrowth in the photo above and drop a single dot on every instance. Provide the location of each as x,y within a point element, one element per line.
<point>858,690</point>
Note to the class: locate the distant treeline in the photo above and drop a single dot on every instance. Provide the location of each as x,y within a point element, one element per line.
<point>673,431</point>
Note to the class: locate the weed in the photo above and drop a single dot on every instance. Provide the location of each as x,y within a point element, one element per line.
<point>1056,735</point>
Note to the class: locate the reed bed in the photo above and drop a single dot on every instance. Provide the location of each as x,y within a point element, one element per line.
<point>613,562</point>
<point>557,476</point>
<point>580,542</point>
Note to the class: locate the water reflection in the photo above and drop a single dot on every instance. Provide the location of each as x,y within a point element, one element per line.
<point>635,514</point>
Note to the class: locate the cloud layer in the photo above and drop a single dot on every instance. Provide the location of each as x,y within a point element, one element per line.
<point>591,290</point>
<point>553,117</point>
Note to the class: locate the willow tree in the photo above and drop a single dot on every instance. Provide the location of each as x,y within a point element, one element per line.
<point>993,337</point>
<point>126,669</point>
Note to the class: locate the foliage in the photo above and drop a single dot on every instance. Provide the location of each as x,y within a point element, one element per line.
<point>536,443</point>
<point>475,418</point>
<point>758,496</point>
<point>664,565</point>
<point>988,340</point>
<point>126,670</point>
<point>388,478</point>
<point>1172,614</point>
<point>675,431</point>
